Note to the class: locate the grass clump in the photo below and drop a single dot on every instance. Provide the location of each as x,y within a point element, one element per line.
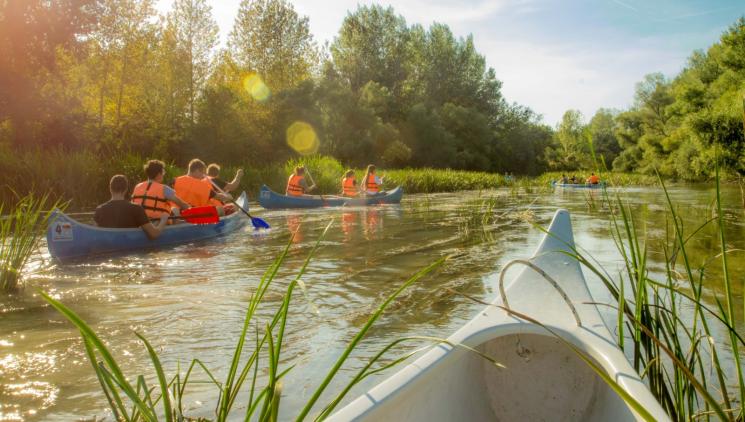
<point>20,233</point>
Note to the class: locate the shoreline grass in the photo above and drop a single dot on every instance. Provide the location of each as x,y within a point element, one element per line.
<point>81,178</point>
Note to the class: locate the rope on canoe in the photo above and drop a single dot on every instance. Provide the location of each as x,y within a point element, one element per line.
<point>545,276</point>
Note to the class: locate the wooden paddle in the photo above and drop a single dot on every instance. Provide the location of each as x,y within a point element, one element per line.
<point>258,223</point>
<point>310,176</point>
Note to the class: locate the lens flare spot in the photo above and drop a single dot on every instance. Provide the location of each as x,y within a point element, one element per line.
<point>254,85</point>
<point>302,138</point>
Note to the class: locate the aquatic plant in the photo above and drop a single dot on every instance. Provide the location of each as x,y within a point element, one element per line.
<point>20,233</point>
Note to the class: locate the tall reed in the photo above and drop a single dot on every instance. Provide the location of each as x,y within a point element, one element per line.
<point>20,233</point>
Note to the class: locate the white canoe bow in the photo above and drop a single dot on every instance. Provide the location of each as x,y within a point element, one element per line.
<point>543,378</point>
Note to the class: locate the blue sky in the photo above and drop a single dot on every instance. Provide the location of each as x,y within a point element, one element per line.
<point>552,55</point>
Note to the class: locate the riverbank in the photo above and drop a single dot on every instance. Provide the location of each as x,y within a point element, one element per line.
<point>82,177</point>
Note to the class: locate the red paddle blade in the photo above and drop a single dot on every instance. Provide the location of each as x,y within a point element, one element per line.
<point>201,215</point>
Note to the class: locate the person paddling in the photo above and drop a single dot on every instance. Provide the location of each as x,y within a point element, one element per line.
<point>119,213</point>
<point>296,184</point>
<point>593,179</point>
<point>196,189</point>
<point>155,197</point>
<point>372,183</point>
<point>213,172</point>
<point>349,184</point>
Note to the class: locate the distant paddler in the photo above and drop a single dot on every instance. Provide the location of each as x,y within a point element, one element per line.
<point>349,184</point>
<point>296,184</point>
<point>372,183</point>
<point>593,179</point>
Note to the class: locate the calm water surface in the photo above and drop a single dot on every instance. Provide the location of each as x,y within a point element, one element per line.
<point>190,301</point>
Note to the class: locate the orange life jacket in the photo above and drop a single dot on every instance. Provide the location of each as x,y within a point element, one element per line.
<point>370,184</point>
<point>151,196</point>
<point>193,191</point>
<point>594,179</point>
<point>348,186</point>
<point>294,188</point>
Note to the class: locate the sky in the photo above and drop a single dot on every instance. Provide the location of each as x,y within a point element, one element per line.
<point>551,55</point>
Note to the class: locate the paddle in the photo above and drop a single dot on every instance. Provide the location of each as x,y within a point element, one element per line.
<point>257,222</point>
<point>310,176</point>
<point>199,215</point>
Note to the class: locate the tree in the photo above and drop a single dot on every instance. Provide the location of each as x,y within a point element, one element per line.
<point>601,131</point>
<point>269,38</point>
<point>195,36</point>
<point>570,149</point>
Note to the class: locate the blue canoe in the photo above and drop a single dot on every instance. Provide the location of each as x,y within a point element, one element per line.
<point>68,239</point>
<point>272,200</point>
<point>579,185</point>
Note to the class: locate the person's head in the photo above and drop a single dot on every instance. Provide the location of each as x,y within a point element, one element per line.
<point>371,169</point>
<point>118,185</point>
<point>592,174</point>
<point>213,170</point>
<point>349,173</point>
<point>154,169</point>
<point>196,168</point>
<point>299,170</point>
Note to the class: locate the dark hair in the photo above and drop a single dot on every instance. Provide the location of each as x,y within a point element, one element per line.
<point>299,170</point>
<point>118,184</point>
<point>213,170</point>
<point>371,168</point>
<point>153,168</point>
<point>196,165</point>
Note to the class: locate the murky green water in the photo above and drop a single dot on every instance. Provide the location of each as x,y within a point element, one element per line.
<point>190,300</point>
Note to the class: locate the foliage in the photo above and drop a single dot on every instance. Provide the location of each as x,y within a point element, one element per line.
<point>21,231</point>
<point>113,78</point>
<point>675,125</point>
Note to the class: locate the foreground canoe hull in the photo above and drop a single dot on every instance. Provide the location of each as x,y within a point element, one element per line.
<point>272,200</point>
<point>542,378</point>
<point>70,240</point>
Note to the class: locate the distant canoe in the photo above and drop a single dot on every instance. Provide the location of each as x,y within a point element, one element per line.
<point>579,185</point>
<point>68,239</point>
<point>272,200</point>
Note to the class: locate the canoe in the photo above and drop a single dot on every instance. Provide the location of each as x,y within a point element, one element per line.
<point>69,240</point>
<point>578,185</point>
<point>542,378</point>
<point>273,200</point>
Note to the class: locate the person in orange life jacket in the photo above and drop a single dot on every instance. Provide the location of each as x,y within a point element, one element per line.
<point>196,189</point>
<point>213,172</point>
<point>120,213</point>
<point>349,184</point>
<point>372,184</point>
<point>153,195</point>
<point>593,179</point>
<point>296,184</point>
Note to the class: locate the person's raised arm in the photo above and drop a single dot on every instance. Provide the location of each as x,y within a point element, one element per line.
<point>235,183</point>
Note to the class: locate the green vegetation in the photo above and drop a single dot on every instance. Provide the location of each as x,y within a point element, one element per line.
<point>674,126</point>
<point>686,369</point>
<point>107,78</point>
<point>20,233</point>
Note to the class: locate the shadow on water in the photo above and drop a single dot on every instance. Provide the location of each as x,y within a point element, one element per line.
<point>190,300</point>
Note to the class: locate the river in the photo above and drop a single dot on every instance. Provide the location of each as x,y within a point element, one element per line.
<point>189,301</point>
